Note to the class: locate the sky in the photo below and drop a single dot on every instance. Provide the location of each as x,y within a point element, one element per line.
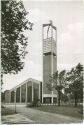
<point>68,17</point>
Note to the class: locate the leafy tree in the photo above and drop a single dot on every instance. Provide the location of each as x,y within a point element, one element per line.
<point>71,82</point>
<point>60,78</point>
<point>13,39</point>
<point>75,79</point>
<point>2,96</point>
<point>64,97</point>
<point>68,93</point>
<point>57,81</point>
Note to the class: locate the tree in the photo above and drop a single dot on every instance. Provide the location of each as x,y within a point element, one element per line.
<point>57,81</point>
<point>60,78</point>
<point>75,79</point>
<point>13,39</point>
<point>2,96</point>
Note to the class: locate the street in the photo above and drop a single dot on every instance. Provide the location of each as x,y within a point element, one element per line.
<point>40,117</point>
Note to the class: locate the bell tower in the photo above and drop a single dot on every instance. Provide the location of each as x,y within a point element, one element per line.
<point>49,32</point>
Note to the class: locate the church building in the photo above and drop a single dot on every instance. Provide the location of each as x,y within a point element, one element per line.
<point>31,89</point>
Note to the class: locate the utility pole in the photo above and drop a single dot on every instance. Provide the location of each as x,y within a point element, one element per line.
<point>15,99</point>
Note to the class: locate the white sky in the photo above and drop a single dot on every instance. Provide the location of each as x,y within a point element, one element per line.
<point>68,17</point>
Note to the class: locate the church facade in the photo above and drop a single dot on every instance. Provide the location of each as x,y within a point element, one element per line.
<point>26,92</point>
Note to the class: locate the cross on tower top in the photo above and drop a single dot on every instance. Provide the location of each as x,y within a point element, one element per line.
<point>50,24</point>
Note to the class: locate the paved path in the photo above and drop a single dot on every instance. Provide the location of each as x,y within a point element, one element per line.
<point>16,119</point>
<point>41,117</point>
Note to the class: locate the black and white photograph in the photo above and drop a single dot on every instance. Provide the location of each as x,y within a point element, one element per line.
<point>42,61</point>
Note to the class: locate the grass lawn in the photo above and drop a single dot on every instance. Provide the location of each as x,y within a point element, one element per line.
<point>6,111</point>
<point>63,110</point>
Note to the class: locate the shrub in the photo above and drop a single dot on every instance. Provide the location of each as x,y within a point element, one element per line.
<point>34,103</point>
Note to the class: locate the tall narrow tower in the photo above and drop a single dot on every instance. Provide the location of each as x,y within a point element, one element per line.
<point>49,60</point>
